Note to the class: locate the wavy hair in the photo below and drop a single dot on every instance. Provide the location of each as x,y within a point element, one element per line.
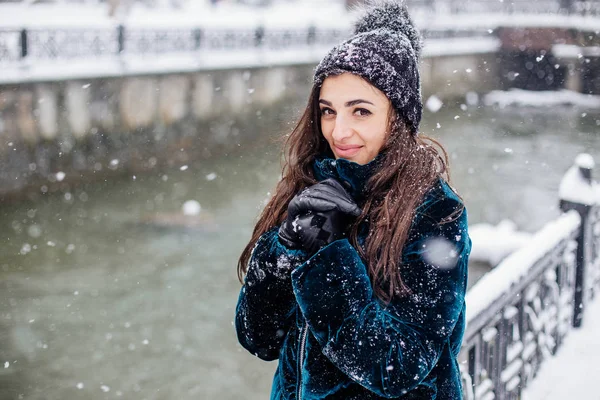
<point>409,166</point>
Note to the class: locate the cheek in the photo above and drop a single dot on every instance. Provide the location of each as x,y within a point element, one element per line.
<point>376,137</point>
<point>326,129</point>
<point>382,138</point>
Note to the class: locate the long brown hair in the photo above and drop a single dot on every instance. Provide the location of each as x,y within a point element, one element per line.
<point>409,166</point>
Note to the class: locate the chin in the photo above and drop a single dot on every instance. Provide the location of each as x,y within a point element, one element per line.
<point>359,160</point>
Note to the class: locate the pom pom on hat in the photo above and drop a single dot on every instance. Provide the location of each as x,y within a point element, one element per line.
<point>385,51</point>
<point>391,15</point>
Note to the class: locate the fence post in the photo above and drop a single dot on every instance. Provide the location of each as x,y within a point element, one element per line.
<point>121,38</point>
<point>197,38</point>
<point>567,6</point>
<point>24,49</point>
<point>259,36</point>
<point>312,35</point>
<point>430,4</point>
<point>576,193</point>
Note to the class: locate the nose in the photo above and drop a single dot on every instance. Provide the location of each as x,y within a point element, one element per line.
<point>342,129</point>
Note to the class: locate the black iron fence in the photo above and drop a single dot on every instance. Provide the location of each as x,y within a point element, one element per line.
<point>44,44</point>
<point>17,45</point>
<point>70,43</point>
<point>544,291</point>
<point>593,281</point>
<point>13,47</point>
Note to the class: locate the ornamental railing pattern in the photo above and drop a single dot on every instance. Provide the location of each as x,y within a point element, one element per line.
<point>593,267</point>
<point>10,46</point>
<point>67,44</point>
<point>150,41</point>
<point>228,39</point>
<point>544,288</point>
<point>52,44</point>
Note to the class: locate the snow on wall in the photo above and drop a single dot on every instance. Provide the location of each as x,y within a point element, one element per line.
<point>510,271</point>
<point>165,64</point>
<point>491,244</point>
<point>541,98</point>
<point>574,51</point>
<point>449,47</point>
<point>134,64</point>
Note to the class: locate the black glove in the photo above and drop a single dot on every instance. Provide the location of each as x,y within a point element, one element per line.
<point>317,216</point>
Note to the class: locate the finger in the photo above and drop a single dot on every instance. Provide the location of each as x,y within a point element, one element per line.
<point>336,185</point>
<point>307,203</point>
<point>351,209</point>
<point>335,188</point>
<point>342,204</point>
<point>331,187</point>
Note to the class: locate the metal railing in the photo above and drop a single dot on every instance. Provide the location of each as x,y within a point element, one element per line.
<point>71,43</point>
<point>593,268</point>
<point>13,47</point>
<point>508,339</point>
<point>46,44</point>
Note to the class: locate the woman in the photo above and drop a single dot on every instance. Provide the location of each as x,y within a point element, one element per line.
<point>356,272</point>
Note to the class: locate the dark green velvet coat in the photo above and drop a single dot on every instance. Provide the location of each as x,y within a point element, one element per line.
<point>334,339</point>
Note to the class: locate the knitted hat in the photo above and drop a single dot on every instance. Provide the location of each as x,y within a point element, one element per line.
<point>384,50</point>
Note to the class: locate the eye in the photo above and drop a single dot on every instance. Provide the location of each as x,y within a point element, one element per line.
<point>327,111</point>
<point>362,112</point>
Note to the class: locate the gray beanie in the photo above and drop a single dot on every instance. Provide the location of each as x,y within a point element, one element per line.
<point>384,50</point>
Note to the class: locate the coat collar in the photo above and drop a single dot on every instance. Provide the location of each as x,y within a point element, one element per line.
<point>353,176</point>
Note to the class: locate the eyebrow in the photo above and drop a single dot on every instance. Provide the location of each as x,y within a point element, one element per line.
<point>348,103</point>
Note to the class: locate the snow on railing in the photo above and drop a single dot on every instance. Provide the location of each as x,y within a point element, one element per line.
<point>73,42</point>
<point>519,313</point>
<point>43,53</point>
<point>107,39</point>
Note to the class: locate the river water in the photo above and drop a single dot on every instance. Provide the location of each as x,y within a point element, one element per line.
<point>102,297</point>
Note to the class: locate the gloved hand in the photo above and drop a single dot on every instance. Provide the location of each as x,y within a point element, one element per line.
<point>317,216</point>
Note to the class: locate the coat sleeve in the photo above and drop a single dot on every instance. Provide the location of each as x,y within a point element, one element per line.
<point>266,302</point>
<point>388,349</point>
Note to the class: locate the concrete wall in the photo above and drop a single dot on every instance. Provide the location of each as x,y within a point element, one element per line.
<point>90,128</point>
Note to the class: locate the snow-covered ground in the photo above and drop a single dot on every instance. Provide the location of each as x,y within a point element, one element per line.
<point>286,14</point>
<point>292,14</point>
<point>574,371</point>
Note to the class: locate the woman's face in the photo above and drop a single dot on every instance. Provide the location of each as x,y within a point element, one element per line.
<point>354,117</point>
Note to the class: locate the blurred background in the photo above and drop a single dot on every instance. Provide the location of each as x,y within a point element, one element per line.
<point>140,139</point>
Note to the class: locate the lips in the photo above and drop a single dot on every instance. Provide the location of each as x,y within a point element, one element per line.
<point>347,150</point>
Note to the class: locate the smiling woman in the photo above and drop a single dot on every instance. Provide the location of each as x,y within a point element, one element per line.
<point>354,117</point>
<point>356,272</point>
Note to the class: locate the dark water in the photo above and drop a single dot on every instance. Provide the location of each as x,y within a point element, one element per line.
<point>97,304</point>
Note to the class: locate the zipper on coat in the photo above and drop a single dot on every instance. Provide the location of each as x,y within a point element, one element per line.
<point>301,359</point>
